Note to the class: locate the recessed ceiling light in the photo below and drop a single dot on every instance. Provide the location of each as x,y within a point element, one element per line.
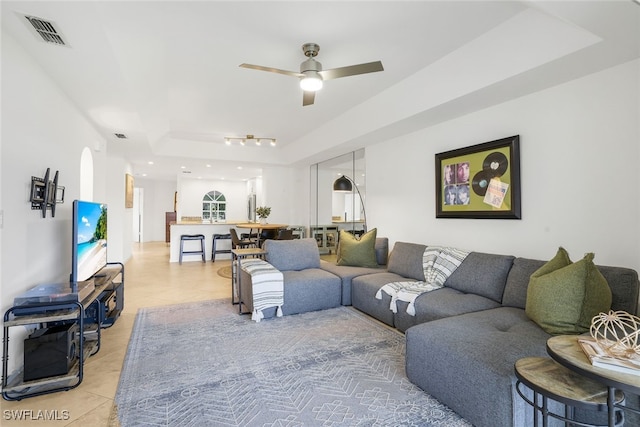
<point>239,168</point>
<point>150,162</point>
<point>208,166</point>
<point>183,167</point>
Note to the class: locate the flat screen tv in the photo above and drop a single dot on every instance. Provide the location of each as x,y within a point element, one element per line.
<point>89,240</point>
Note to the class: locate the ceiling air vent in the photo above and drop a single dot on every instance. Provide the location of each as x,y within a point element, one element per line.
<point>120,135</point>
<point>46,30</point>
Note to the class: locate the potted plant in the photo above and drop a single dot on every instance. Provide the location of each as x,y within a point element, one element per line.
<point>263,213</point>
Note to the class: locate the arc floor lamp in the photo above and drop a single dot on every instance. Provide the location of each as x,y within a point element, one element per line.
<point>344,184</point>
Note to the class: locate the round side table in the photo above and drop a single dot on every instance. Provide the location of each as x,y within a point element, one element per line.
<point>550,380</point>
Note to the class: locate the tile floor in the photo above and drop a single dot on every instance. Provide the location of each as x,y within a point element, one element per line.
<point>150,280</point>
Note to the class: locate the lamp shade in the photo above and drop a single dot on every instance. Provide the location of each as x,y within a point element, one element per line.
<point>342,184</point>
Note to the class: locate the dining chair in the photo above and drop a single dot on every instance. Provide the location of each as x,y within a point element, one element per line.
<point>238,243</point>
<point>285,234</point>
<point>268,234</point>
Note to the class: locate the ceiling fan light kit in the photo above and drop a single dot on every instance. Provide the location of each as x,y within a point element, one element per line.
<point>312,82</point>
<point>311,74</point>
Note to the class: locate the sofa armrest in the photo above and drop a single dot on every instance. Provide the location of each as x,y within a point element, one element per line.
<point>248,268</point>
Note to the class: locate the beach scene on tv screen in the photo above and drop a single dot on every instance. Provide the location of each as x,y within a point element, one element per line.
<point>91,239</point>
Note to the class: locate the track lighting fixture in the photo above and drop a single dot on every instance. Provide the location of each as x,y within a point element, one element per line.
<point>244,139</point>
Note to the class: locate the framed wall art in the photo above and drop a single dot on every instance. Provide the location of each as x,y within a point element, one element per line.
<point>480,181</point>
<point>128,191</point>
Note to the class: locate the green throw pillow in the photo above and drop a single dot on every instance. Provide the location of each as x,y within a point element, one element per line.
<point>563,297</point>
<point>357,252</point>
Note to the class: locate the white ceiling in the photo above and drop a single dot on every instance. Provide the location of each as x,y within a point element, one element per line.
<point>165,73</point>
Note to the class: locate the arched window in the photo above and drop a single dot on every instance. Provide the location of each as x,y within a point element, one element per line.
<point>214,206</point>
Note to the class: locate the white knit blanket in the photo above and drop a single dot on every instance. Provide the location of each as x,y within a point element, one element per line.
<point>267,285</point>
<point>438,263</point>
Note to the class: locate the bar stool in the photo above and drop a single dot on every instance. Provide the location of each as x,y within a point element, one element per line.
<point>215,251</point>
<point>185,237</point>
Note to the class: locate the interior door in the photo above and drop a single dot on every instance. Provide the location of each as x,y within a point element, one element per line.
<point>138,203</point>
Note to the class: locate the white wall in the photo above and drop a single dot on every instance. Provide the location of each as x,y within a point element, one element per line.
<point>579,172</point>
<point>37,135</point>
<point>286,191</point>
<point>120,219</point>
<point>158,199</point>
<point>41,129</point>
<point>191,191</point>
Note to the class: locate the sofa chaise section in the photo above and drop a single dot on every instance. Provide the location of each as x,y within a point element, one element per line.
<point>467,361</point>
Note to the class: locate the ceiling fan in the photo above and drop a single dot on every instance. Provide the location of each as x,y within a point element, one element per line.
<point>311,73</point>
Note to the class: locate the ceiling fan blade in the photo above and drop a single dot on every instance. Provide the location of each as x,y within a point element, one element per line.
<point>352,70</point>
<point>308,98</point>
<point>272,70</point>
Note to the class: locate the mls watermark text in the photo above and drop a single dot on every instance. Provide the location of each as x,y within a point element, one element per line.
<point>35,415</point>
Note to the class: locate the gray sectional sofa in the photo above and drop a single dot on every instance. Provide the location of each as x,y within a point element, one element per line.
<point>310,283</point>
<point>464,339</point>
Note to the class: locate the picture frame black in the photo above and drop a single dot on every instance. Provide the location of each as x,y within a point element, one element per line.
<point>481,181</point>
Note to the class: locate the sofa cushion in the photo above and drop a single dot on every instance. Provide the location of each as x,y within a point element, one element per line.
<point>438,304</point>
<point>482,274</point>
<point>563,297</point>
<point>309,290</point>
<point>622,281</point>
<point>406,260</point>
<point>624,287</point>
<point>357,252</point>
<point>515,292</point>
<point>347,274</point>
<point>363,295</point>
<point>297,254</point>
<point>382,250</point>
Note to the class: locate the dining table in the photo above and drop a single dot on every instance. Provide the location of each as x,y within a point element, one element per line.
<point>260,227</point>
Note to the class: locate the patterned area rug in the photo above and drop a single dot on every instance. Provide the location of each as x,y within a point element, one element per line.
<point>225,271</point>
<point>203,364</point>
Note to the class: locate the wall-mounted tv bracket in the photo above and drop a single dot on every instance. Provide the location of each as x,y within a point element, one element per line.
<point>45,194</point>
